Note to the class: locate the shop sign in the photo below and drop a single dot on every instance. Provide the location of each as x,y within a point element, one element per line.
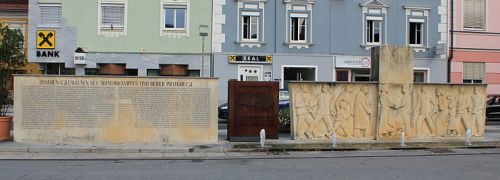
<point>46,42</point>
<point>235,59</point>
<point>80,58</point>
<point>353,62</point>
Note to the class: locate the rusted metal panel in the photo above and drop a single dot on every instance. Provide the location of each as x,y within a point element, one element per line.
<point>253,106</point>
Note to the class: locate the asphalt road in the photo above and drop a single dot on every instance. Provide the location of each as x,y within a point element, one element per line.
<point>480,164</point>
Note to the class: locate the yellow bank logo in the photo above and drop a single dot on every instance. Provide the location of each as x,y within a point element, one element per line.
<point>45,39</point>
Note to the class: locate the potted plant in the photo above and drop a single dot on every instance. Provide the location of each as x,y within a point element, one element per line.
<point>284,117</point>
<point>12,58</point>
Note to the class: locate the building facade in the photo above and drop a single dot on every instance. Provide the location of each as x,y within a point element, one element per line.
<point>14,14</point>
<point>476,43</point>
<point>323,40</point>
<point>121,37</point>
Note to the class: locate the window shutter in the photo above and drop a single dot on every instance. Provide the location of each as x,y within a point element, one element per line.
<point>50,16</point>
<point>474,14</point>
<point>473,71</point>
<point>113,16</point>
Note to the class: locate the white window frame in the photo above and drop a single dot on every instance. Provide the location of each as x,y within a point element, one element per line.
<point>418,14</point>
<point>299,9</point>
<point>422,24</point>
<point>427,72</point>
<point>373,10</point>
<point>111,27</point>
<point>483,80</point>
<point>112,32</point>
<point>251,8</point>
<point>291,29</point>
<point>60,15</point>
<point>257,17</point>
<point>485,17</point>
<point>175,32</point>
<point>378,20</point>
<point>175,17</point>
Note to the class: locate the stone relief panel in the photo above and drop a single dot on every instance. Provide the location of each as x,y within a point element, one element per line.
<point>394,107</point>
<point>321,109</point>
<point>449,110</point>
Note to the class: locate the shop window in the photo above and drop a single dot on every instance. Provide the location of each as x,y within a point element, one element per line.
<point>342,75</point>
<point>473,73</point>
<point>58,69</point>
<point>131,72</point>
<point>153,72</point>
<point>360,75</point>
<point>474,15</point>
<point>50,15</point>
<point>194,73</point>
<point>91,71</point>
<point>420,76</point>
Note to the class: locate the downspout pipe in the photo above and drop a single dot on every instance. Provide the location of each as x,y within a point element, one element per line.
<point>452,38</point>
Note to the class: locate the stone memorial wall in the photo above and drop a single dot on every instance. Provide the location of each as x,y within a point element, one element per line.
<point>115,109</point>
<point>387,108</point>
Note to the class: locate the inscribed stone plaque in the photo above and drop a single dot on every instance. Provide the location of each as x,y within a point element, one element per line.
<point>115,109</point>
<point>253,106</point>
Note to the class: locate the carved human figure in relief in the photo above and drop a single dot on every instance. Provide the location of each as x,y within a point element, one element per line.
<point>477,112</point>
<point>442,118</point>
<point>405,109</point>
<point>362,113</point>
<point>344,119</point>
<point>385,108</point>
<point>304,109</point>
<point>323,116</point>
<point>462,113</point>
<point>426,107</point>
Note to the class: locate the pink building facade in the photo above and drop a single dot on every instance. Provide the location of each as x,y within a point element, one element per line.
<point>476,47</point>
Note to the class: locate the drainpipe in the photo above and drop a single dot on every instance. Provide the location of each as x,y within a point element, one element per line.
<point>452,39</point>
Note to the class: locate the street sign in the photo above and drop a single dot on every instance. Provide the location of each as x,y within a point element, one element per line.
<point>45,39</point>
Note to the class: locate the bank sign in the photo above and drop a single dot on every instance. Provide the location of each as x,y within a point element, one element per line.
<point>353,62</point>
<point>236,59</point>
<point>46,43</point>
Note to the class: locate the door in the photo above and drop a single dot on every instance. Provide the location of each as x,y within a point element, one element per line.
<point>250,73</point>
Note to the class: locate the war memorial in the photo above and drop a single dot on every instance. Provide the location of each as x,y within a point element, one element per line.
<point>391,106</point>
<point>118,110</point>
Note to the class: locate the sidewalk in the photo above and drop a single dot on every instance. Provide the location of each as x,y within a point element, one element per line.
<point>223,148</point>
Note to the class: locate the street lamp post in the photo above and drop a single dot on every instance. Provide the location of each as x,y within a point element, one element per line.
<point>203,34</point>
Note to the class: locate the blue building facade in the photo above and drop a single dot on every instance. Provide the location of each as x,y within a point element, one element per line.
<point>324,40</point>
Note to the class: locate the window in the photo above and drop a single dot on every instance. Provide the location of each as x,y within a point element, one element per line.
<point>342,75</point>
<point>299,23</point>
<point>91,71</point>
<point>420,76</point>
<point>58,69</point>
<point>373,31</point>
<point>113,16</point>
<point>474,14</point>
<point>153,72</point>
<point>298,29</point>
<point>175,17</point>
<point>250,27</point>
<point>50,15</point>
<point>416,36</point>
<point>473,72</point>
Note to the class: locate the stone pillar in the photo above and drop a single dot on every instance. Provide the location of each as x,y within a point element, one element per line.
<point>392,67</point>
